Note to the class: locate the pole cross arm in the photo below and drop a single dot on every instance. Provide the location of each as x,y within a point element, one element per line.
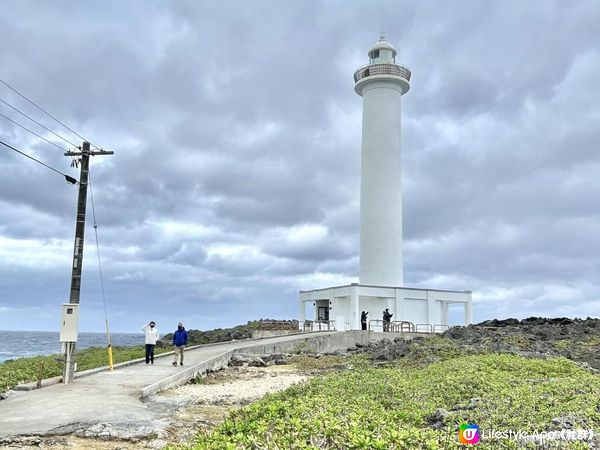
<point>91,153</point>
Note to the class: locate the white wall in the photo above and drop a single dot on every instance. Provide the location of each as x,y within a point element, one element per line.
<point>374,306</point>
<point>381,191</point>
<point>415,311</point>
<point>435,317</point>
<point>341,307</point>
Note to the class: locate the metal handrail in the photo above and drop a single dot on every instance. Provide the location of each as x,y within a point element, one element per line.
<point>402,326</point>
<point>405,326</point>
<point>377,321</point>
<point>319,325</point>
<point>411,326</point>
<point>381,69</point>
<point>330,324</point>
<point>428,326</point>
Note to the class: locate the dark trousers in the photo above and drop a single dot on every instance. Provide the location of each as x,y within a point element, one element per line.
<point>364,325</point>
<point>149,353</point>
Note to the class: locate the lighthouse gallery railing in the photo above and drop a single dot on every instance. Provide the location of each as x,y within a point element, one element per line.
<point>381,69</point>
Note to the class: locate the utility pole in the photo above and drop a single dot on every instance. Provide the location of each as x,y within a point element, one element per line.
<point>69,347</point>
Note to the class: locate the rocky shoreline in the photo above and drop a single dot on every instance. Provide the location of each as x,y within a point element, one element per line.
<point>575,339</point>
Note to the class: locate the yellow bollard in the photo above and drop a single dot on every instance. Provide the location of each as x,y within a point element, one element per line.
<point>110,356</point>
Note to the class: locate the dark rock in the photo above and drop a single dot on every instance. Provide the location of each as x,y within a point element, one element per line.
<point>275,356</point>
<point>584,365</point>
<point>257,362</point>
<point>562,423</point>
<point>21,441</point>
<point>438,419</point>
<point>161,343</point>
<point>238,335</point>
<point>499,323</point>
<point>533,337</point>
<point>241,359</point>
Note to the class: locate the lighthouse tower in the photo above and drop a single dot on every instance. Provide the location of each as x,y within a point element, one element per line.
<point>381,83</point>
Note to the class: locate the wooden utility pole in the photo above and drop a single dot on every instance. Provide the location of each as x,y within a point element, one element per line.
<point>85,153</point>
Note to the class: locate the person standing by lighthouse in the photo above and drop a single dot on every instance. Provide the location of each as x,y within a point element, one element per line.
<point>381,83</point>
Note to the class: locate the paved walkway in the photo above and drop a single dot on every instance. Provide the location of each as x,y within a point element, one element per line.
<point>105,397</point>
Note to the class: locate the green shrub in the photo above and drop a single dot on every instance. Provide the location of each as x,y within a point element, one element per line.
<point>392,407</point>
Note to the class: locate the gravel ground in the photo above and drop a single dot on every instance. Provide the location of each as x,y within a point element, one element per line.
<point>236,387</point>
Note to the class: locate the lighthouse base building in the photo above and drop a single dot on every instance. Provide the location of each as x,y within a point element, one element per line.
<point>381,84</point>
<point>413,309</point>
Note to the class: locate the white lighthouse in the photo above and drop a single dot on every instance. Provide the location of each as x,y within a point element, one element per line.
<point>381,84</point>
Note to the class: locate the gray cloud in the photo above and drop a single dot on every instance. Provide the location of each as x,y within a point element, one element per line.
<point>237,135</point>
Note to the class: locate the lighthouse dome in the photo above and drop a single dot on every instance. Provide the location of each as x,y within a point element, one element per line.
<point>382,52</point>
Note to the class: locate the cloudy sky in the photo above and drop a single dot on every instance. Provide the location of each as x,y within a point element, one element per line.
<point>236,130</point>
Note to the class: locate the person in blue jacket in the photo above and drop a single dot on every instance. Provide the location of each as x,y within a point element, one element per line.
<point>180,340</point>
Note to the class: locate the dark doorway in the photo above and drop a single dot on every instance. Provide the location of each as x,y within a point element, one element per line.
<point>323,313</point>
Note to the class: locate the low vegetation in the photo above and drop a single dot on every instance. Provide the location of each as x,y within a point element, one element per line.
<point>24,370</point>
<point>410,406</point>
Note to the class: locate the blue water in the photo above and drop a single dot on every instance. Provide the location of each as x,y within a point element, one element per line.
<point>16,344</point>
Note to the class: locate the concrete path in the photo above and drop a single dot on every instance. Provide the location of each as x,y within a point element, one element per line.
<point>112,399</point>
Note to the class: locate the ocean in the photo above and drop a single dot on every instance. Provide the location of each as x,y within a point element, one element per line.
<point>16,344</point>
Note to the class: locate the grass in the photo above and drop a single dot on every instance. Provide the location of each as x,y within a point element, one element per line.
<point>24,370</point>
<point>391,407</point>
<point>305,363</point>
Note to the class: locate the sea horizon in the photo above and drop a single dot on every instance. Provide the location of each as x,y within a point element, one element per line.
<point>80,331</point>
<point>19,343</point>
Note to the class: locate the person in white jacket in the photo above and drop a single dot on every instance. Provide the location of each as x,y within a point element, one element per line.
<point>151,338</point>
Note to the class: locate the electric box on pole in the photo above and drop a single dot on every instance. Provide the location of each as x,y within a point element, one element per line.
<point>69,322</point>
